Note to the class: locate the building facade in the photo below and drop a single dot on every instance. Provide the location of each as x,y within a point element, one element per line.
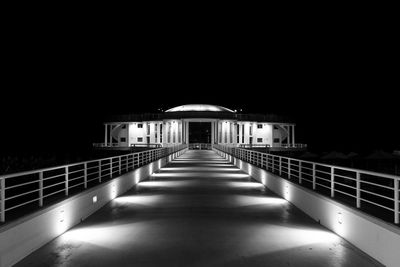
<point>172,127</point>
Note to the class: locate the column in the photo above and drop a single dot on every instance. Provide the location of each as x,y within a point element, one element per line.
<point>110,135</point>
<point>187,132</point>
<point>212,133</point>
<point>183,132</point>
<point>288,135</point>
<point>105,135</point>
<point>293,141</point>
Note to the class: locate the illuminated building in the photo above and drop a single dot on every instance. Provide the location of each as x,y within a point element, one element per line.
<point>225,126</point>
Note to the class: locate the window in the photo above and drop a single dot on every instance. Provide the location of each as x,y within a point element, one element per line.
<point>251,130</point>
<point>140,125</point>
<point>231,135</point>
<point>242,133</point>
<point>122,139</point>
<point>237,141</point>
<point>276,127</point>
<point>148,129</point>
<point>259,126</point>
<point>259,140</point>
<point>160,132</point>
<point>140,139</point>
<point>155,132</point>
<point>123,126</point>
<point>277,140</point>
<point>237,128</point>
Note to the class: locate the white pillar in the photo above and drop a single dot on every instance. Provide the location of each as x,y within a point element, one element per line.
<point>105,134</point>
<point>212,133</point>
<point>187,132</point>
<point>293,141</point>
<point>110,136</point>
<point>288,135</point>
<point>183,132</point>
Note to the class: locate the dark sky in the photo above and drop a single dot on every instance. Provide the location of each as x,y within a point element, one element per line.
<point>337,82</point>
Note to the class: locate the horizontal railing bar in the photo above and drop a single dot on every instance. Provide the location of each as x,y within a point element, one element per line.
<point>376,204</point>
<point>375,194</point>
<point>22,204</point>
<point>377,185</point>
<point>53,185</point>
<point>22,194</point>
<point>345,193</point>
<point>53,193</point>
<point>19,185</point>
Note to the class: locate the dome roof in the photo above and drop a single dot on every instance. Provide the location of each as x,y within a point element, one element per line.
<point>199,107</point>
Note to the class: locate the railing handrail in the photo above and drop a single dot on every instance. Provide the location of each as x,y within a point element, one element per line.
<point>23,173</point>
<point>45,179</point>
<point>373,173</point>
<point>337,182</point>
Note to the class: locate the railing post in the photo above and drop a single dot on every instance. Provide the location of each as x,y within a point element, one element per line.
<point>280,166</point>
<point>289,168</point>
<point>66,181</point>
<point>85,176</point>
<point>396,201</point>
<point>100,174</point>
<point>273,164</point>
<point>40,189</point>
<point>358,191</point>
<point>332,182</point>
<point>120,167</point>
<point>3,200</point>
<point>300,172</point>
<point>111,168</point>
<point>313,177</point>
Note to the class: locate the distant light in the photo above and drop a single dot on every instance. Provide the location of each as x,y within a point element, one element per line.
<point>62,217</point>
<point>340,217</point>
<point>94,199</point>
<point>113,191</point>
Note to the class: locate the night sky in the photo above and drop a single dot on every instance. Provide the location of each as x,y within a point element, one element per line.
<point>337,85</point>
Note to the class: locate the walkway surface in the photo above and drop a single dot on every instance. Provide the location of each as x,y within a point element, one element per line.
<point>199,210</point>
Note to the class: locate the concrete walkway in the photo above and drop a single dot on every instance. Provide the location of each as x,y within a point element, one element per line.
<point>198,211</point>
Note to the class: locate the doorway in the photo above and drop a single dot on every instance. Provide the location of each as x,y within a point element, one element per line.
<point>199,133</point>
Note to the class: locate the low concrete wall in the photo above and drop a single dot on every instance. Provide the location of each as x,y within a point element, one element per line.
<point>20,238</point>
<point>375,237</point>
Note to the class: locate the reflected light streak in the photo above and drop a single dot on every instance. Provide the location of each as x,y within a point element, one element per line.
<point>104,236</point>
<point>272,238</point>
<point>139,199</point>
<point>199,169</point>
<point>205,175</point>
<point>260,200</point>
<point>188,183</point>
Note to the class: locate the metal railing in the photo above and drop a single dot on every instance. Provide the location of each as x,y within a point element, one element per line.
<point>298,145</point>
<point>131,146</point>
<point>200,146</point>
<point>18,190</point>
<point>378,190</point>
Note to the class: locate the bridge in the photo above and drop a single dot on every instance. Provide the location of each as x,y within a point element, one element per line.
<point>213,207</point>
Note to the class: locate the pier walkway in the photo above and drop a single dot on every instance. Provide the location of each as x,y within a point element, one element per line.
<point>199,210</point>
